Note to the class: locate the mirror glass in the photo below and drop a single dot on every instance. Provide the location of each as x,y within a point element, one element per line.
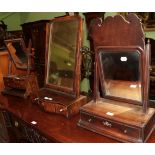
<point>17,50</point>
<point>121,71</point>
<point>61,54</point>
<point>20,53</point>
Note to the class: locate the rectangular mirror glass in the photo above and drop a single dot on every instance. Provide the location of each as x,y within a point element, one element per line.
<point>121,74</point>
<point>62,53</point>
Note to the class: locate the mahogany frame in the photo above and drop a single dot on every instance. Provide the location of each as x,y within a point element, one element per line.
<point>120,120</point>
<point>17,40</point>
<point>21,41</point>
<point>102,40</point>
<point>75,92</point>
<point>101,71</point>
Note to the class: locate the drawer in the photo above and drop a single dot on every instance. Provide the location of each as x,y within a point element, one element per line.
<point>15,83</point>
<point>53,107</point>
<point>110,127</point>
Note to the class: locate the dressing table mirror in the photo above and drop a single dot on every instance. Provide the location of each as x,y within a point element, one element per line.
<point>18,84</point>
<point>121,111</point>
<point>61,92</point>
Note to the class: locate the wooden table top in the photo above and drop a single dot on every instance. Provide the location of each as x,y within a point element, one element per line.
<point>3,52</point>
<point>54,127</point>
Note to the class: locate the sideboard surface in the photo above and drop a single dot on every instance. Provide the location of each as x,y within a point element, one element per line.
<point>55,128</point>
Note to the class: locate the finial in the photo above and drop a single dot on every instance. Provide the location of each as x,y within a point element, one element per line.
<point>148,41</point>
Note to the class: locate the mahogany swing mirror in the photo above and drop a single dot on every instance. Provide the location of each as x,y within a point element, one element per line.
<point>17,52</point>
<point>62,63</point>
<point>61,93</point>
<point>121,111</point>
<point>17,84</point>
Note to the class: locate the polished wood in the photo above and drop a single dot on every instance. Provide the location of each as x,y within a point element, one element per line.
<point>1,80</point>
<point>124,122</point>
<point>89,17</point>
<point>20,56</point>
<point>4,62</point>
<point>132,29</point>
<point>53,127</point>
<point>61,104</point>
<point>17,52</point>
<point>75,91</point>
<point>56,98</point>
<point>21,86</point>
<point>119,117</point>
<point>36,31</point>
<point>106,37</point>
<point>4,65</point>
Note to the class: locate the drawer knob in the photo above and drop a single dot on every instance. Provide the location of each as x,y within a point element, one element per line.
<point>89,120</point>
<point>105,123</point>
<point>63,109</point>
<point>125,131</point>
<point>16,124</point>
<point>150,68</point>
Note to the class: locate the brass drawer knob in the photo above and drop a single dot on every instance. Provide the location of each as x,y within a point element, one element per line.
<point>89,120</point>
<point>105,123</point>
<point>125,131</point>
<point>62,109</point>
<point>16,124</point>
<point>150,68</point>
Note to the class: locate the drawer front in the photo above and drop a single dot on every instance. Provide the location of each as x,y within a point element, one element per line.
<point>15,83</point>
<point>111,127</point>
<point>53,107</point>
<point>25,133</point>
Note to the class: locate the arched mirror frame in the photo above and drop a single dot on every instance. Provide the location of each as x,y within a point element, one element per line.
<point>101,71</point>
<point>75,92</point>
<point>116,33</point>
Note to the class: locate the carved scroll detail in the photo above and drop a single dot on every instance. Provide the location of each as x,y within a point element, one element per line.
<point>118,31</point>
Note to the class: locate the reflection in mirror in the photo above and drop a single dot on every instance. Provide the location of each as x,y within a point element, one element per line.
<point>61,54</point>
<point>121,74</point>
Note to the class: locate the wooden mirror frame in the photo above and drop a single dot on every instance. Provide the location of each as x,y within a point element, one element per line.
<point>75,92</point>
<point>120,120</point>
<point>16,60</point>
<point>101,71</point>
<point>127,36</point>
<point>20,83</point>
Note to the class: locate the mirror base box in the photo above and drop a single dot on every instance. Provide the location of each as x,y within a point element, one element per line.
<point>21,86</point>
<point>120,121</point>
<point>58,103</point>
<point>67,110</point>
